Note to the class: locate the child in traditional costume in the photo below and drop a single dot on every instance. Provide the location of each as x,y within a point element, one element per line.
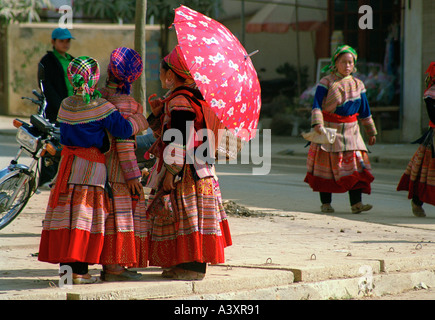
<point>419,176</point>
<point>343,166</point>
<point>125,240</point>
<point>74,224</point>
<point>189,226</point>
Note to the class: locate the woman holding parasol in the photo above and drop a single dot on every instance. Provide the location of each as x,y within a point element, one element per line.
<point>189,226</point>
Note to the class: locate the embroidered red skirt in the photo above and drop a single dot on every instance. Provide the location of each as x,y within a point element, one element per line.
<point>73,230</point>
<point>125,240</point>
<point>338,172</point>
<point>199,232</point>
<point>419,176</point>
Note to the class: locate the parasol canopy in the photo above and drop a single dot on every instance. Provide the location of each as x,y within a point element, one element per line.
<point>222,70</point>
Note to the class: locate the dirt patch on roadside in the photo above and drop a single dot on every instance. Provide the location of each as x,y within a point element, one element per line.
<point>233,209</point>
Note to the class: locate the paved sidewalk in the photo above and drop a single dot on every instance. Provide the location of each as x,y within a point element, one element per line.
<point>279,255</point>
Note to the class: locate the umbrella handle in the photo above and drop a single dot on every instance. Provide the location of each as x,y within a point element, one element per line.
<point>251,54</point>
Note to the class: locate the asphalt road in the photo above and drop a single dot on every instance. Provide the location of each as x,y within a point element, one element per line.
<point>284,189</point>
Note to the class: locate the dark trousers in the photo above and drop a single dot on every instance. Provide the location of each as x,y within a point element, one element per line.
<point>417,201</point>
<point>77,267</point>
<point>193,266</point>
<point>47,172</point>
<point>354,197</point>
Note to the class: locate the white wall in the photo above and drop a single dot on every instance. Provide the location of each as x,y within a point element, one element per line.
<point>413,71</point>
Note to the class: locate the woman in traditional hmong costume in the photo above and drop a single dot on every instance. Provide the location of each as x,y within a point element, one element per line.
<point>74,224</point>
<point>343,166</point>
<point>419,176</point>
<point>189,227</point>
<point>125,240</point>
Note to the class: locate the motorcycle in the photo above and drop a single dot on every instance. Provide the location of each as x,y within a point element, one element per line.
<point>40,140</point>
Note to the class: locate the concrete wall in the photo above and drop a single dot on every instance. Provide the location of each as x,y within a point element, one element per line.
<point>413,81</point>
<point>27,43</point>
<point>419,51</point>
<point>428,45</point>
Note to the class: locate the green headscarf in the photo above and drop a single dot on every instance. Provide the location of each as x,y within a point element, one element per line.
<point>340,50</point>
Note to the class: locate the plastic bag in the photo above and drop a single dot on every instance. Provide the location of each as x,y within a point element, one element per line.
<point>327,136</point>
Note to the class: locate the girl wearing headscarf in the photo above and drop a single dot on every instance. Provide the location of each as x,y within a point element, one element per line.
<point>125,241</point>
<point>189,226</point>
<point>419,176</point>
<point>340,101</point>
<point>74,224</point>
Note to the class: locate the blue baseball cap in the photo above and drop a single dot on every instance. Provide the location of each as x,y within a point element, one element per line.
<point>61,34</point>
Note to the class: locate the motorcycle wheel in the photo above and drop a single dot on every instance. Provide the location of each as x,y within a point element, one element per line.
<point>7,188</point>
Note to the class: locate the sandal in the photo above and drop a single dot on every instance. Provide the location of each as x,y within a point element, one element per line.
<point>125,275</point>
<point>418,211</point>
<point>83,279</point>
<point>359,207</point>
<point>182,274</point>
<point>327,208</point>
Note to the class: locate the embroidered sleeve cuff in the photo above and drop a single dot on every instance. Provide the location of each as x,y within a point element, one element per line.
<point>369,126</point>
<point>316,117</point>
<point>131,171</point>
<point>127,159</point>
<point>138,122</point>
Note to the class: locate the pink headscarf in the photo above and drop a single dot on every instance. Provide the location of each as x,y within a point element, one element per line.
<point>176,62</point>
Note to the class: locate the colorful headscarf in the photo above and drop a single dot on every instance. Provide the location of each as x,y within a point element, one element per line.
<point>126,66</point>
<point>175,61</point>
<point>83,74</point>
<point>340,50</point>
<point>430,79</point>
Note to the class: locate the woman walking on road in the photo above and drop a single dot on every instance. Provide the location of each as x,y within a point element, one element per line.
<point>189,226</point>
<point>419,176</point>
<point>343,166</point>
<point>74,224</point>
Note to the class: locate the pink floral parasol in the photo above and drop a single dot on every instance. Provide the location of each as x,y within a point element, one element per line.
<point>222,69</point>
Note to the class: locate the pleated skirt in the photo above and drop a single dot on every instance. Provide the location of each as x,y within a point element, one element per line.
<point>126,240</point>
<point>419,176</point>
<point>73,231</point>
<point>338,172</point>
<point>200,231</point>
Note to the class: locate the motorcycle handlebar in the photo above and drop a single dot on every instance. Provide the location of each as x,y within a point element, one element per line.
<point>37,94</point>
<point>33,100</point>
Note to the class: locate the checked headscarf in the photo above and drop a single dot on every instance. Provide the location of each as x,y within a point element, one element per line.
<point>126,66</point>
<point>83,74</point>
<point>340,50</point>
